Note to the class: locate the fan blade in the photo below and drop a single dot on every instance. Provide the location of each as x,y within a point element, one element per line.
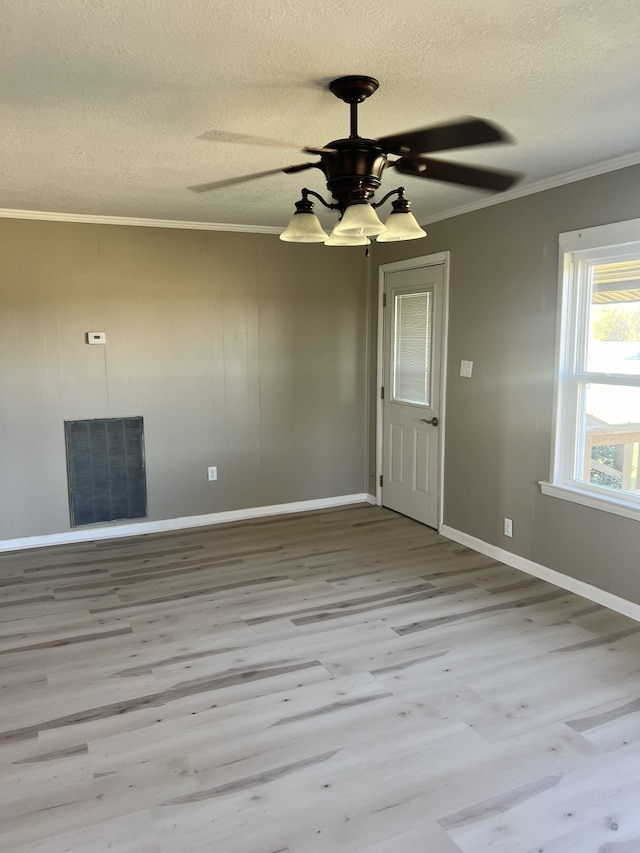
<point>229,182</point>
<point>245,139</point>
<point>310,150</point>
<point>456,173</point>
<point>457,134</point>
<point>291,170</point>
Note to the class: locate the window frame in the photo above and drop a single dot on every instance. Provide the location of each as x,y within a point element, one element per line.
<point>579,251</point>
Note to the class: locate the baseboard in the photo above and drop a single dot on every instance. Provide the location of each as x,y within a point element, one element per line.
<point>139,528</point>
<point>586,590</point>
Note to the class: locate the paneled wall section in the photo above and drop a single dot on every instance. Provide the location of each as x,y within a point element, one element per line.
<point>238,350</point>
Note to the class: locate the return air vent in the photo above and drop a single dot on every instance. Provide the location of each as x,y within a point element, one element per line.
<point>106,470</point>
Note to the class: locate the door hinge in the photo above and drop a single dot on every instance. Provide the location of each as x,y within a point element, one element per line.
<point>380,480</point>
<point>382,393</point>
<point>384,300</point>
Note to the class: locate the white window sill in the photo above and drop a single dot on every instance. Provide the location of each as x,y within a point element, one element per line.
<point>616,505</point>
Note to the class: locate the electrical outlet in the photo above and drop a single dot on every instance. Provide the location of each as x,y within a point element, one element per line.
<point>212,472</point>
<point>508,527</point>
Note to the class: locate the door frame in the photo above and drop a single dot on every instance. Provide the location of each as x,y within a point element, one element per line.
<point>436,259</point>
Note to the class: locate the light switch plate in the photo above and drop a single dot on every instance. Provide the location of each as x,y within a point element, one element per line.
<point>466,368</point>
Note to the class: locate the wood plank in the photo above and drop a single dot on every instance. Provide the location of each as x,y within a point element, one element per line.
<point>344,680</point>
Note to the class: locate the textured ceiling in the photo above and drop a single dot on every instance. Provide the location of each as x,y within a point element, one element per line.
<point>102,101</point>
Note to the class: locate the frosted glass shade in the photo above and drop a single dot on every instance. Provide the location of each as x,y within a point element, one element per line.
<point>304,227</point>
<point>359,220</point>
<point>401,225</point>
<point>346,239</point>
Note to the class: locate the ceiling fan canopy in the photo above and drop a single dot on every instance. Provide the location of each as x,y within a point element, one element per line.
<point>353,166</point>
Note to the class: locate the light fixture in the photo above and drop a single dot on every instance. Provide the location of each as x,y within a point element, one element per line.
<point>346,239</point>
<point>304,226</point>
<point>358,222</point>
<point>353,168</point>
<point>401,224</point>
<point>359,219</point>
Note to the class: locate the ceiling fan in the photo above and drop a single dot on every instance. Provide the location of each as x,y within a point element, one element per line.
<point>353,166</point>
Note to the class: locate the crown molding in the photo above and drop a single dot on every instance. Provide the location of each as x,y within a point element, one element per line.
<point>8,213</point>
<point>581,174</point>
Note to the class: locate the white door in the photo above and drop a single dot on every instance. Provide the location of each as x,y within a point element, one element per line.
<point>413,321</point>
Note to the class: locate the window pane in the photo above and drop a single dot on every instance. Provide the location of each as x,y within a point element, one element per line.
<point>612,437</point>
<point>412,353</point>
<point>614,318</point>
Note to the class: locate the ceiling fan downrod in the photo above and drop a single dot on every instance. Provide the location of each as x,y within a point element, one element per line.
<point>353,90</point>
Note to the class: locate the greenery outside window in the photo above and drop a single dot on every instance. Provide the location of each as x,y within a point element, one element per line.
<point>596,459</point>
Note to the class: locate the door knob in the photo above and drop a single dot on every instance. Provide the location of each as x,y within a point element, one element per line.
<point>433,421</point>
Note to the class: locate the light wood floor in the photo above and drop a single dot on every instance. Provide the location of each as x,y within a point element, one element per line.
<point>330,682</point>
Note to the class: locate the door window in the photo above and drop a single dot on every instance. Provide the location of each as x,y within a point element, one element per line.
<point>412,350</point>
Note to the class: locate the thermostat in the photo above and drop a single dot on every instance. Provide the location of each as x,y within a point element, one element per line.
<point>96,337</point>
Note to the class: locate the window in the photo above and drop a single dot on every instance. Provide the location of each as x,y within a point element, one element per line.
<point>412,347</point>
<point>597,449</point>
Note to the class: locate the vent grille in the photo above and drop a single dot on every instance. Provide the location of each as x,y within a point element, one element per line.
<point>106,470</point>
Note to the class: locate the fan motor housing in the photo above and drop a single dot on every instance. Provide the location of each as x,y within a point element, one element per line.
<point>353,169</point>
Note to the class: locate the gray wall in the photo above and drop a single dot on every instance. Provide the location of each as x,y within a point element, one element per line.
<point>250,354</point>
<point>503,288</point>
<point>238,350</point>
